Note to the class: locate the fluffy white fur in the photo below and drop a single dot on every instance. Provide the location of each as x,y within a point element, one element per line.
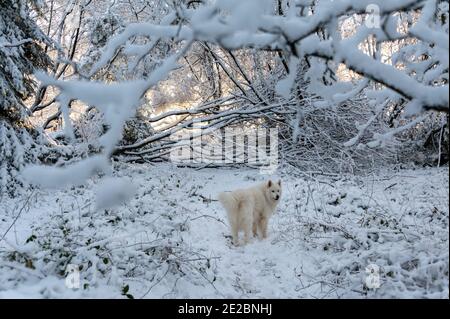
<point>250,209</point>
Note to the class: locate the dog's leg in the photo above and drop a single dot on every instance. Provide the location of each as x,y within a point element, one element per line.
<point>263,223</point>
<point>247,232</point>
<point>235,234</point>
<point>255,228</point>
<point>246,214</point>
<point>260,229</point>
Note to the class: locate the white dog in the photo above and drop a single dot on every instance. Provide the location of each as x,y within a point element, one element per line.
<point>250,209</point>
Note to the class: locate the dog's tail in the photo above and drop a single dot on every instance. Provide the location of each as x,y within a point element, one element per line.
<point>228,201</point>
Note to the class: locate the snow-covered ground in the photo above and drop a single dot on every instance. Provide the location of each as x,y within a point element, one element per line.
<point>172,241</point>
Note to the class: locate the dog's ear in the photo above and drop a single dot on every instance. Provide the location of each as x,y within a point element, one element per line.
<point>269,183</point>
<point>279,182</point>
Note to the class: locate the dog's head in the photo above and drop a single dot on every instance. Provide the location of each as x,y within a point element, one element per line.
<point>273,190</point>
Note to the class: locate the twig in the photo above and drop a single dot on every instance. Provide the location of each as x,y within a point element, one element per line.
<point>160,279</point>
<point>18,215</point>
<point>191,219</point>
<point>390,186</point>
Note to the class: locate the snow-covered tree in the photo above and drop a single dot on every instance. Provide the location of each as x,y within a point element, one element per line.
<point>21,54</point>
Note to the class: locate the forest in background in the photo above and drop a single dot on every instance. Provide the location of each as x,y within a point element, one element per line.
<point>345,95</point>
<point>96,94</point>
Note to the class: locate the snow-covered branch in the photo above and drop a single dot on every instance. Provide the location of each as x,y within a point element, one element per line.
<point>311,34</point>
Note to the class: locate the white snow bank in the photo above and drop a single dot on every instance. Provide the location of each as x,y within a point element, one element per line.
<point>114,191</point>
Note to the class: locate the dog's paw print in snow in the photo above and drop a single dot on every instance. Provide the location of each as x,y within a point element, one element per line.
<point>229,240</point>
<point>269,268</point>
